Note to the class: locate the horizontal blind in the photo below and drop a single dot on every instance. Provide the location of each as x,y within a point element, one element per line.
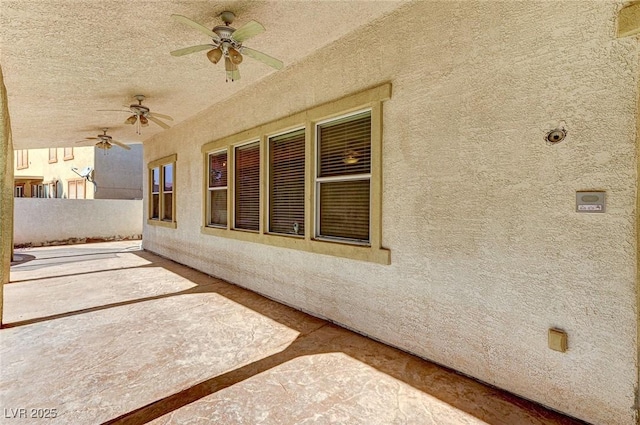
<point>218,205</point>
<point>286,185</point>
<point>218,170</point>
<point>344,209</point>
<point>345,146</point>
<point>247,187</point>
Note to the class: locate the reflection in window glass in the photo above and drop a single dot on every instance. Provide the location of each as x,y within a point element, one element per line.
<point>168,178</point>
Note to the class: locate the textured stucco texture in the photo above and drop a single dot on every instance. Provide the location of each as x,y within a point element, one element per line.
<point>52,221</point>
<point>487,251</point>
<point>6,192</point>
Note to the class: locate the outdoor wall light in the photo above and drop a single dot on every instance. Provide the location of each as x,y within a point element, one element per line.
<point>556,136</point>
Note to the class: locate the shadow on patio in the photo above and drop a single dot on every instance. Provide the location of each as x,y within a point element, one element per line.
<point>104,333</point>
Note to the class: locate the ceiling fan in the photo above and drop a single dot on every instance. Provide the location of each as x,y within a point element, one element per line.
<point>227,42</point>
<point>105,141</point>
<point>142,115</point>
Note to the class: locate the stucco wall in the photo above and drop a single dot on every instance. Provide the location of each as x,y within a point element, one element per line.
<point>487,250</point>
<point>119,173</point>
<point>45,221</point>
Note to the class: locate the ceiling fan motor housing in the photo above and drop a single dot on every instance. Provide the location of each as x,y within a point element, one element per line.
<point>139,109</point>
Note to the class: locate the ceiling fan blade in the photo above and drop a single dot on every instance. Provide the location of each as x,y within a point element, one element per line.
<point>157,121</point>
<point>92,138</point>
<point>197,26</point>
<point>248,30</point>
<point>113,110</point>
<point>157,115</point>
<point>263,57</point>
<point>122,145</point>
<point>192,49</point>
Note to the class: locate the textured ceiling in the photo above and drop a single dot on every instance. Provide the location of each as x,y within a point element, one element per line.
<point>64,60</point>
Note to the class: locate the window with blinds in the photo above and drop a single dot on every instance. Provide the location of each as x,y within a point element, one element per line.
<point>247,187</point>
<point>218,189</point>
<point>343,178</point>
<point>154,212</point>
<point>53,155</point>
<point>286,183</point>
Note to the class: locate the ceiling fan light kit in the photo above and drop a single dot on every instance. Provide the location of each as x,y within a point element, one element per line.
<point>105,142</point>
<point>141,115</point>
<point>227,42</point>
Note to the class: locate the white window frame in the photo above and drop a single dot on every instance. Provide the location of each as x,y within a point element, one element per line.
<point>347,177</point>
<point>230,168</point>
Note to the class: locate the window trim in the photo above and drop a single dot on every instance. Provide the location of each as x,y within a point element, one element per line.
<point>75,182</point>
<point>22,154</point>
<point>161,163</point>
<point>66,157</point>
<point>55,155</point>
<point>370,99</point>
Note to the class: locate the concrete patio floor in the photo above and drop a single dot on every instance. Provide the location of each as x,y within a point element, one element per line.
<point>107,333</point>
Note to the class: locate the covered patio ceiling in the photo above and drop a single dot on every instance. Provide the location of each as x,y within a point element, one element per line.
<point>63,60</point>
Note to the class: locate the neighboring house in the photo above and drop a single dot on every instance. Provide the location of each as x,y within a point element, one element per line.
<point>47,173</point>
<point>401,182</point>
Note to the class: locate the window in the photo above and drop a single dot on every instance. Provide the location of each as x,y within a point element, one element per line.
<point>343,175</point>
<point>19,193</point>
<point>68,154</point>
<point>76,189</point>
<point>162,206</point>
<point>286,183</point>
<point>155,193</point>
<point>217,189</point>
<point>22,159</point>
<point>247,184</point>
<point>53,155</point>
<point>167,192</point>
<point>311,181</point>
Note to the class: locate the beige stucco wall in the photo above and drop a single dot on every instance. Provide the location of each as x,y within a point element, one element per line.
<point>46,221</point>
<point>487,250</point>
<point>119,173</point>
<point>6,192</point>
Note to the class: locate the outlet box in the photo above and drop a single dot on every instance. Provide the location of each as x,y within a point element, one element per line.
<point>558,340</point>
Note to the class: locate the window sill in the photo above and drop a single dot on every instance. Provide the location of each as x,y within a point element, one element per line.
<point>51,161</point>
<point>336,249</point>
<point>24,167</point>
<point>161,223</point>
<point>67,158</point>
